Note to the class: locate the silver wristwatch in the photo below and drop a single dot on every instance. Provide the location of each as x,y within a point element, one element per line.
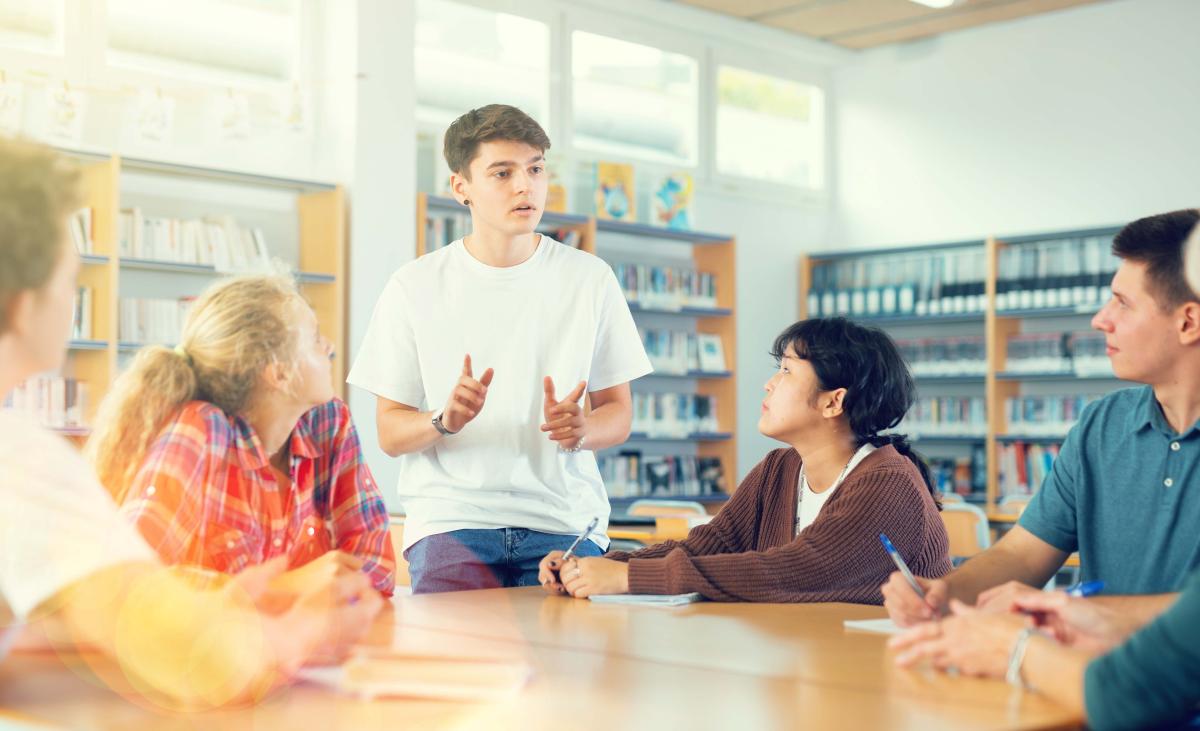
<point>437,424</point>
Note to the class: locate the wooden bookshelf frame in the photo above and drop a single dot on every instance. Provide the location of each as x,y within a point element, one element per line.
<point>997,328</point>
<point>323,261</point>
<point>715,253</point>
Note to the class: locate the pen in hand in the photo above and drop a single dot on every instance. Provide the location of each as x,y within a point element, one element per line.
<point>570,552</point>
<point>903,567</point>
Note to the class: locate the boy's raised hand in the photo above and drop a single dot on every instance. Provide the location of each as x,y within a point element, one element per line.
<point>467,398</point>
<point>565,421</point>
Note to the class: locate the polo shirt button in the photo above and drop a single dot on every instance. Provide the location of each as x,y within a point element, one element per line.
<point>1174,446</point>
<point>1168,482</point>
<point>229,544</point>
<point>277,542</point>
<point>150,491</point>
<point>312,530</point>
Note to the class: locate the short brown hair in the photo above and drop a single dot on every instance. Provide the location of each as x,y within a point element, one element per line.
<point>38,189</point>
<point>1157,242</point>
<point>486,124</point>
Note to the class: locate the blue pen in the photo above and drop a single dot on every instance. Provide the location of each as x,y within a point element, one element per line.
<point>896,559</point>
<point>1085,588</point>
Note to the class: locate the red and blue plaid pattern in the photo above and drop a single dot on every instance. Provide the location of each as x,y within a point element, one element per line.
<point>207,495</point>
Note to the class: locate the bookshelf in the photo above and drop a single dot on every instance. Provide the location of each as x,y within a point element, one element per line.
<point>1028,299</point>
<point>441,220</point>
<point>306,228</point>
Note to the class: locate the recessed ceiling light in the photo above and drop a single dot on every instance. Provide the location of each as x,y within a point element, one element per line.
<point>935,3</point>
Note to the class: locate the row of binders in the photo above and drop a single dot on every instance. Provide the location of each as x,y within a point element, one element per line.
<point>51,400</point>
<point>157,321</point>
<point>946,416</point>
<point>676,352</point>
<point>674,415</point>
<point>217,241</point>
<point>1066,272</point>
<point>935,282</point>
<point>1045,416</point>
<point>966,356</point>
<point>666,288</point>
<point>1079,353</point>
<point>632,474</point>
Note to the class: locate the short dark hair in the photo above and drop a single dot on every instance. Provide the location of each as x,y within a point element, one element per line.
<point>486,124</point>
<point>866,362</point>
<point>1157,242</point>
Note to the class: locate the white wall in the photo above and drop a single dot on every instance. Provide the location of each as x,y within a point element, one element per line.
<point>383,189</point>
<point>770,238</point>
<point>1071,119</point>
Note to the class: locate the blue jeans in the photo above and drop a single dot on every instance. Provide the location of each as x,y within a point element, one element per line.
<point>484,558</point>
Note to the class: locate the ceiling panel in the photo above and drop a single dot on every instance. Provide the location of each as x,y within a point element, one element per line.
<point>869,23</point>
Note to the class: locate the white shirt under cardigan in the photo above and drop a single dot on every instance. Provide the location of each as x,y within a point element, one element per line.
<point>809,503</point>
<point>561,314</point>
<point>57,524</point>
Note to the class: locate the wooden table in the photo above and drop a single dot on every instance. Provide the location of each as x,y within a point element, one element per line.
<point>706,666</point>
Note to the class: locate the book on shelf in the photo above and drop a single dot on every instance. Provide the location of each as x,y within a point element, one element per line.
<point>672,202</point>
<point>1023,467</point>
<point>666,288</point>
<point>566,236</point>
<point>675,352</point>
<point>711,352</point>
<point>615,192</point>
<point>674,415</point>
<point>443,229</point>
<point>1045,416</point>
<point>216,241</point>
<point>81,326</point>
<point>965,356</point>
<point>935,282</point>
<point>632,474</point>
<point>946,416</point>
<point>962,475</point>
<point>1056,272</point>
<point>152,321</point>
<point>51,400</point>
<point>80,228</point>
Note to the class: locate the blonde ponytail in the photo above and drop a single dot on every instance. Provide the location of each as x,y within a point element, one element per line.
<point>234,331</point>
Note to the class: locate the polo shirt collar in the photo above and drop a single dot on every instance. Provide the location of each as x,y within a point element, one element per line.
<point>1149,415</point>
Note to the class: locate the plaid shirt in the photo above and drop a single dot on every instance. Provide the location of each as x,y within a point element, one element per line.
<point>207,495</point>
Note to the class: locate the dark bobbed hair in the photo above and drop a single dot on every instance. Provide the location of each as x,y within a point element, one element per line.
<point>864,361</point>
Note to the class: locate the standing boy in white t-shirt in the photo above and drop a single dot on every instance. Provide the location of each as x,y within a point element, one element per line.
<point>480,355</point>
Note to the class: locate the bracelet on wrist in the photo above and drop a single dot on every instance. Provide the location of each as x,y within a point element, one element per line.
<point>577,448</point>
<point>1017,656</point>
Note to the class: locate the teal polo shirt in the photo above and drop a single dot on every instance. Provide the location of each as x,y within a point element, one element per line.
<point>1125,493</point>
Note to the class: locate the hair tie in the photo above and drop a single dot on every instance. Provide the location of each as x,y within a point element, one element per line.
<point>182,354</point>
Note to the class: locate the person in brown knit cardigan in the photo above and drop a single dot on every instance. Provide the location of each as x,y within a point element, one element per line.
<point>804,525</point>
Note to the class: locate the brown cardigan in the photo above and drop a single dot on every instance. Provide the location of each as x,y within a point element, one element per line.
<point>750,553</point>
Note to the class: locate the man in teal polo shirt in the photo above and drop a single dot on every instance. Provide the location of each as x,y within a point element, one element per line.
<point>1122,491</point>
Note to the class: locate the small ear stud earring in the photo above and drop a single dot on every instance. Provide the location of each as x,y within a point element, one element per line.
<point>466,202</point>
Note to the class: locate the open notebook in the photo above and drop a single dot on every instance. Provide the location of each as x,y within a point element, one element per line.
<point>648,600</point>
<point>390,675</point>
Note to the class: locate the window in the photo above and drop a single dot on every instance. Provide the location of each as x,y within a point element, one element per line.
<point>770,129</point>
<point>634,101</point>
<point>32,25</point>
<point>222,41</point>
<point>468,57</point>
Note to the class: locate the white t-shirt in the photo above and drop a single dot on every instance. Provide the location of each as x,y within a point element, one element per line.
<point>57,525</point>
<point>809,503</point>
<point>561,314</point>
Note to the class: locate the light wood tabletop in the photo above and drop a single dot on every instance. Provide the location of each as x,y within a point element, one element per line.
<point>704,666</point>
